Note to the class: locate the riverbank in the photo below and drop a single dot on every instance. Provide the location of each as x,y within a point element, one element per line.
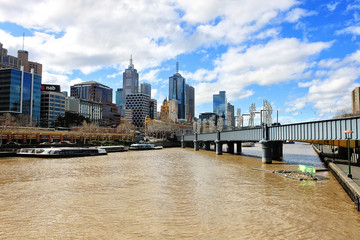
<point>340,168</point>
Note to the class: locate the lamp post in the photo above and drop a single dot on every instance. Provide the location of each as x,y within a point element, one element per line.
<point>348,137</point>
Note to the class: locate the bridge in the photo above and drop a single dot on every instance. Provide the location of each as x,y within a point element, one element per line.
<point>271,138</point>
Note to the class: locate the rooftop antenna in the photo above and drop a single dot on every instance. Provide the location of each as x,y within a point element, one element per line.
<point>177,64</point>
<point>131,62</point>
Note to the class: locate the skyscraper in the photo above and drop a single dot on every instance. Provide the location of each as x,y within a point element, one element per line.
<point>177,91</point>
<point>190,103</point>
<point>20,93</point>
<point>92,90</point>
<point>119,97</point>
<point>130,81</point>
<point>219,104</point>
<point>145,88</point>
<point>356,100</point>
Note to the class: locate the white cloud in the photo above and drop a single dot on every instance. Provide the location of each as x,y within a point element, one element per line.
<point>277,61</point>
<point>333,91</point>
<point>297,13</point>
<point>350,30</point>
<point>332,6</point>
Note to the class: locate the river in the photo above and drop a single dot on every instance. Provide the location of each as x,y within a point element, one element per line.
<point>172,194</point>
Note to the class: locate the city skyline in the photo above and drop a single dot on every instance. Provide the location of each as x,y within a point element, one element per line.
<point>301,56</point>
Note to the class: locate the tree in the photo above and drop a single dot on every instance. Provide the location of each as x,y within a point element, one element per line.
<point>70,119</point>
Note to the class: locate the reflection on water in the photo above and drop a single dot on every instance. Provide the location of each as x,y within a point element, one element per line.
<point>170,194</point>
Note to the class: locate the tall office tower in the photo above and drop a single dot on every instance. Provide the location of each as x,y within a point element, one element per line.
<point>119,97</point>
<point>356,100</point>
<point>130,80</point>
<point>92,91</point>
<point>173,110</point>
<point>28,65</point>
<point>219,104</point>
<point>139,103</point>
<point>230,116</point>
<point>20,93</point>
<point>97,92</point>
<point>153,109</point>
<point>52,104</point>
<point>145,88</point>
<point>177,91</point>
<point>190,103</point>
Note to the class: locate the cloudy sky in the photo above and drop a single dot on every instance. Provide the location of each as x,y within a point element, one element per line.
<point>302,56</point>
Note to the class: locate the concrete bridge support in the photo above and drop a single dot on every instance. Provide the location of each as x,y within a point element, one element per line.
<point>266,151</point>
<point>207,146</point>
<point>231,147</point>
<point>238,148</point>
<point>196,143</point>
<point>277,150</point>
<point>218,147</point>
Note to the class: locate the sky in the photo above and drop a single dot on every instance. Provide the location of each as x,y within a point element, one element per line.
<point>301,56</point>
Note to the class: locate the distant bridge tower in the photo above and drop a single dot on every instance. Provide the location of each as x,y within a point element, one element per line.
<point>252,110</point>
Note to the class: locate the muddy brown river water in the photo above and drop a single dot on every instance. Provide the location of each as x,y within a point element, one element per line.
<point>171,194</point>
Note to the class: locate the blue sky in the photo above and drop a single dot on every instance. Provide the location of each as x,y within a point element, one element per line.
<point>301,56</point>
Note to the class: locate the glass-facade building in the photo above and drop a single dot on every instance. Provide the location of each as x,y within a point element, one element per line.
<point>130,81</point>
<point>20,93</point>
<point>52,106</point>
<point>119,97</point>
<point>177,91</point>
<point>93,91</point>
<point>219,104</point>
<point>145,88</point>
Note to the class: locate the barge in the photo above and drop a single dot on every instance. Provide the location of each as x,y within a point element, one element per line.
<point>60,152</point>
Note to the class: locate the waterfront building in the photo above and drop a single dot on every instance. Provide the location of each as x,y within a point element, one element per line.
<point>130,81</point>
<point>356,101</point>
<point>8,61</point>
<point>52,104</point>
<point>173,110</point>
<point>20,93</point>
<point>208,115</point>
<point>139,103</point>
<point>189,103</point>
<point>177,91</point>
<point>97,92</point>
<point>145,88</point>
<point>87,108</point>
<point>93,91</point>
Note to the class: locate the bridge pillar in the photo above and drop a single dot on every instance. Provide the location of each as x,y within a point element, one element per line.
<point>196,143</point>
<point>266,151</point>
<point>231,147</point>
<point>218,147</point>
<point>277,150</point>
<point>183,144</point>
<point>238,148</point>
<point>207,146</point>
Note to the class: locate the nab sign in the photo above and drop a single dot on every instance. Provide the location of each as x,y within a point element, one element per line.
<point>51,88</point>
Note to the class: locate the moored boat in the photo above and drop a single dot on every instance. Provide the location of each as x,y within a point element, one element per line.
<point>60,152</point>
<point>144,146</point>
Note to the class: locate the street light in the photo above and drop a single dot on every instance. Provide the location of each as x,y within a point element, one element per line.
<point>348,137</point>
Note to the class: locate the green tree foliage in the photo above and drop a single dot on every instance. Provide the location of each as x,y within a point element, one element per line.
<point>70,119</point>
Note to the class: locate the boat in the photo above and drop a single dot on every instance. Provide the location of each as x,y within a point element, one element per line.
<point>144,146</point>
<point>109,149</point>
<point>52,152</point>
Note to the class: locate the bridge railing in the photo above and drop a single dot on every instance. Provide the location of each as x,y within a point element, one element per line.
<point>320,130</point>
